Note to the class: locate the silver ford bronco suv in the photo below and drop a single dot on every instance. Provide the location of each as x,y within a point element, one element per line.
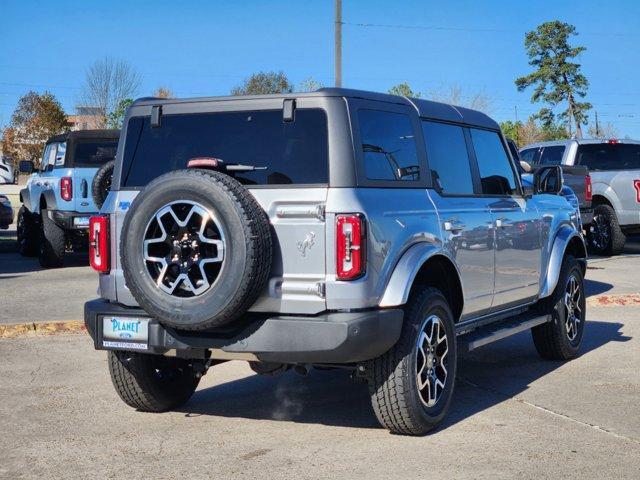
<point>333,229</point>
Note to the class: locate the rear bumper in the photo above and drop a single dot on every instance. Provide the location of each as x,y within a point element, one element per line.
<point>67,220</point>
<point>327,338</point>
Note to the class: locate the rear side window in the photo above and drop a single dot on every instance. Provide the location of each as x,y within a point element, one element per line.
<point>552,155</point>
<point>282,152</point>
<point>388,146</point>
<point>93,154</point>
<point>496,173</point>
<point>448,158</point>
<point>609,156</point>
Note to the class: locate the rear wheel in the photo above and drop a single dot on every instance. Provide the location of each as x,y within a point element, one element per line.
<point>411,385</point>
<point>152,383</point>
<point>604,235</point>
<point>52,244</point>
<point>561,338</point>
<point>28,233</point>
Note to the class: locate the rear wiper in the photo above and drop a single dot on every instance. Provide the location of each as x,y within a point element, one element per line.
<point>238,167</point>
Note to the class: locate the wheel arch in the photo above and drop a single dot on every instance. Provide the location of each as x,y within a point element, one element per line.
<point>424,265</point>
<point>567,242</point>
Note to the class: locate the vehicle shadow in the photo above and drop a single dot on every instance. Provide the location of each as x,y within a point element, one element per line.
<point>594,287</point>
<point>14,263</point>
<point>502,370</point>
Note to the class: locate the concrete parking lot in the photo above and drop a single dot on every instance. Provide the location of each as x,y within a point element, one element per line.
<point>514,415</point>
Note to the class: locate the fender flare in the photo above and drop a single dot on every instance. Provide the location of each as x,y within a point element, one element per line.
<point>50,198</point>
<point>565,235</point>
<point>25,199</point>
<point>404,273</point>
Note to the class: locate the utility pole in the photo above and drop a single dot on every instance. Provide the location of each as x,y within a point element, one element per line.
<point>597,127</point>
<point>338,43</point>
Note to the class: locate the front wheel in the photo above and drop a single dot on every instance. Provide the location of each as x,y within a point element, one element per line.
<point>561,338</point>
<point>152,383</point>
<point>411,385</point>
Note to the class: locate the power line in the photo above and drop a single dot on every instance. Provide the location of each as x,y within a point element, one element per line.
<point>470,29</point>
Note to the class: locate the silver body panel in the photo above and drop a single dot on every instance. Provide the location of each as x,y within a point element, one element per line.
<point>504,250</point>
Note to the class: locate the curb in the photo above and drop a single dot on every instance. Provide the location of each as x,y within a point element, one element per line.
<point>45,328</point>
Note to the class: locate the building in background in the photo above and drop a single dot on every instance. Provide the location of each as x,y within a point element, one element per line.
<point>86,118</point>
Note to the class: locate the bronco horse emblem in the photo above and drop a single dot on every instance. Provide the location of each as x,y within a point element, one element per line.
<point>307,243</point>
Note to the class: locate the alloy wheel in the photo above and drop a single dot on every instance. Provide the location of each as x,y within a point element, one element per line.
<point>573,311</point>
<point>600,231</point>
<point>431,361</point>
<point>184,248</point>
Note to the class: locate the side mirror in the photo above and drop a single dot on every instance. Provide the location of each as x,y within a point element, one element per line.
<point>548,180</point>
<point>526,167</point>
<point>25,166</point>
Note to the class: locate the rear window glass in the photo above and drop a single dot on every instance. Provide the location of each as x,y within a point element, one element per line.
<point>282,152</point>
<point>93,154</point>
<point>609,156</point>
<point>388,146</point>
<point>551,155</point>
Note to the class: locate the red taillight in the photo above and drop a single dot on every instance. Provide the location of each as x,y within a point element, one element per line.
<point>66,188</point>
<point>350,246</point>
<point>588,189</point>
<point>636,184</point>
<point>613,141</point>
<point>99,243</point>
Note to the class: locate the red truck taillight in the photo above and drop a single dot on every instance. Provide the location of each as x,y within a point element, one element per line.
<point>66,188</point>
<point>588,189</point>
<point>350,246</point>
<point>99,243</point>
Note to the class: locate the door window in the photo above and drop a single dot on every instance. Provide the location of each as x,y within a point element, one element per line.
<point>529,155</point>
<point>448,158</point>
<point>388,146</point>
<point>497,176</point>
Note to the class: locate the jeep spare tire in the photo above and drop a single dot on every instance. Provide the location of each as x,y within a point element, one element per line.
<point>101,184</point>
<point>195,249</point>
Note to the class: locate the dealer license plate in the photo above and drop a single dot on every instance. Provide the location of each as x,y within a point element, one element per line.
<point>129,333</point>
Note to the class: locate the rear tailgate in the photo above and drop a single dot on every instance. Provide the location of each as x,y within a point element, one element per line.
<point>575,178</point>
<point>82,178</point>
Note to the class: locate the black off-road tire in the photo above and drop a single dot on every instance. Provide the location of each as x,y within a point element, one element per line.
<point>551,339</point>
<point>152,383</point>
<point>28,233</point>
<point>248,250</point>
<point>617,238</point>
<point>101,184</point>
<point>52,243</point>
<point>392,376</point>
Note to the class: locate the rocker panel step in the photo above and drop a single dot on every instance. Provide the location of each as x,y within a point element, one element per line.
<point>492,333</point>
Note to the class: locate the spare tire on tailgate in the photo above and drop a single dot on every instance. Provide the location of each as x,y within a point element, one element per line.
<point>196,249</point>
<point>101,184</point>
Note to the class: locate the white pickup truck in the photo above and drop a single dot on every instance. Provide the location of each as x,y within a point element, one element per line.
<point>614,167</point>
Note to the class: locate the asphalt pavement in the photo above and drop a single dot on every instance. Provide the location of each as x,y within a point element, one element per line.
<point>513,415</point>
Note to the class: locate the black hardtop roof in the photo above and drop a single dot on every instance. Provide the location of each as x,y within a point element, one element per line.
<point>85,134</point>
<point>425,108</point>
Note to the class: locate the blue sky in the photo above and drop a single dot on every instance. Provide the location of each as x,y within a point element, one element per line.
<point>206,47</point>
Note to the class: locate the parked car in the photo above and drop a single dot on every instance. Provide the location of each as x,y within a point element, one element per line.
<point>6,170</point>
<point>57,201</point>
<point>614,167</point>
<point>567,192</point>
<point>576,177</point>
<point>6,212</point>
<point>339,228</point>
